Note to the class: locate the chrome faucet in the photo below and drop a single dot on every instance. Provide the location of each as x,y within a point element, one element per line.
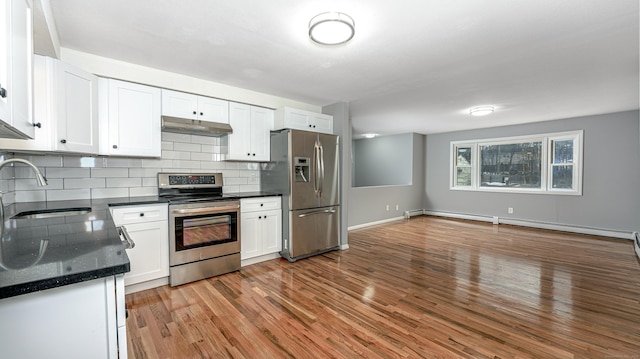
<point>42,181</point>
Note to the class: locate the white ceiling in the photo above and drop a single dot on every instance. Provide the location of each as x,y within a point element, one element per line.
<point>413,65</point>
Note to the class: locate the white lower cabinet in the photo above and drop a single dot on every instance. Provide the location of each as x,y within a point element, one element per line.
<point>260,227</point>
<point>148,227</point>
<point>77,321</point>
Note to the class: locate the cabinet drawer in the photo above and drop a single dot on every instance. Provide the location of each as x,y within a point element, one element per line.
<point>259,204</point>
<point>139,214</point>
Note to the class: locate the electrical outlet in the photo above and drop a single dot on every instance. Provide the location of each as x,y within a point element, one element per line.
<point>510,210</point>
<point>397,207</point>
<point>387,207</point>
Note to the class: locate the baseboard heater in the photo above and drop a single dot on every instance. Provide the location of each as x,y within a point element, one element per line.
<point>413,213</point>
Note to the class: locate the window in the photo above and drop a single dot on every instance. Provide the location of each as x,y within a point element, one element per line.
<point>548,163</point>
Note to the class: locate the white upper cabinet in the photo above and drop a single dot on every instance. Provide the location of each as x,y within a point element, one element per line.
<point>65,112</point>
<point>251,131</point>
<point>129,119</point>
<point>296,119</point>
<point>194,107</point>
<point>76,98</point>
<point>16,54</point>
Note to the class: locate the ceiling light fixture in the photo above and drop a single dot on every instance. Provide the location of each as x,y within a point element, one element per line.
<point>331,28</point>
<point>482,110</point>
<point>369,135</point>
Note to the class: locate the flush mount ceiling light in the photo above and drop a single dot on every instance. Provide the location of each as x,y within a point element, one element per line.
<point>331,28</point>
<point>369,135</point>
<point>482,110</point>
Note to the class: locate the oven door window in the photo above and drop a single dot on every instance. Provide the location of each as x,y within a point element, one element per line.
<point>205,230</point>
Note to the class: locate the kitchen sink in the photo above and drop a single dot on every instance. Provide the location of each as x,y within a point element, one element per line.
<point>51,213</point>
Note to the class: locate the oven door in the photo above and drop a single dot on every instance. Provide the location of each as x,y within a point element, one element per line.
<point>203,231</point>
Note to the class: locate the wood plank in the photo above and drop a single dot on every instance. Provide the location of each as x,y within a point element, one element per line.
<point>424,287</point>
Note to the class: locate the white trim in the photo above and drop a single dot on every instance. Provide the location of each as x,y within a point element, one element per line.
<point>358,226</point>
<point>344,246</point>
<point>535,224</point>
<point>146,285</point>
<point>258,259</point>
<point>545,166</point>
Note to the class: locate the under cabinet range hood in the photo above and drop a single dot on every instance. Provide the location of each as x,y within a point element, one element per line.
<point>195,127</point>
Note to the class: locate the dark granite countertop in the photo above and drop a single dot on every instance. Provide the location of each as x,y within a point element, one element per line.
<point>39,254</point>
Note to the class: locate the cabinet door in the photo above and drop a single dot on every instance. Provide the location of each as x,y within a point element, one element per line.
<point>323,123</point>
<point>261,125</point>
<point>150,256</point>
<point>239,147</point>
<point>76,94</point>
<point>16,48</point>
<point>179,104</point>
<point>271,230</point>
<point>213,110</point>
<point>134,119</point>
<point>250,233</point>
<point>296,119</point>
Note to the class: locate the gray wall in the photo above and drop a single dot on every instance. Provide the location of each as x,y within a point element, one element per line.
<point>382,161</point>
<point>368,204</point>
<point>611,176</point>
<point>342,128</point>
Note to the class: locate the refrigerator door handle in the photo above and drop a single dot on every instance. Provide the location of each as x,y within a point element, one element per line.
<point>317,212</point>
<point>316,163</point>
<point>321,186</point>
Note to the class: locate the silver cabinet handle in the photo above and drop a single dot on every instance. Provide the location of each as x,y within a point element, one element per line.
<point>128,242</point>
<point>317,212</point>
<point>206,210</point>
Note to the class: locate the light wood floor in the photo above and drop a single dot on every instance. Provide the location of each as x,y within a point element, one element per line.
<point>427,287</point>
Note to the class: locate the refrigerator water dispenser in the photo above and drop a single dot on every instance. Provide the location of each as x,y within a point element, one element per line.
<point>301,168</point>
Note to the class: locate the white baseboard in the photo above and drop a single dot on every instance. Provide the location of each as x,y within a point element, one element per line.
<point>344,246</point>
<point>535,224</point>
<point>375,223</point>
<point>132,288</point>
<point>254,260</point>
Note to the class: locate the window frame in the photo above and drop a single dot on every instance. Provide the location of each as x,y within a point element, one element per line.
<point>546,167</point>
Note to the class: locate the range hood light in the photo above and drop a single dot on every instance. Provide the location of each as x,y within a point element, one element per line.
<point>195,127</point>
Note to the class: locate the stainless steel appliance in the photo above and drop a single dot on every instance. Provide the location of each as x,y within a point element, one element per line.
<point>204,227</point>
<point>304,167</point>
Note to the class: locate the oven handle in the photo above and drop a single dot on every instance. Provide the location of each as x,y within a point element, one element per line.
<point>206,210</point>
<point>128,242</point>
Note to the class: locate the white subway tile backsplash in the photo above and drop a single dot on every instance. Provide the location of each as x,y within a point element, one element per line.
<point>124,182</point>
<point>67,172</point>
<point>176,155</point>
<point>175,137</point>
<point>29,196</point>
<point>143,191</point>
<point>109,192</point>
<point>77,177</point>
<point>186,147</point>
<point>144,172</point>
<point>76,183</point>
<point>109,172</point>
<point>68,194</point>
<point>83,162</point>
<point>123,162</point>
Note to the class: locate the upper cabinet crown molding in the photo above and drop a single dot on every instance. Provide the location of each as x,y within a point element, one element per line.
<point>288,117</point>
<point>194,107</point>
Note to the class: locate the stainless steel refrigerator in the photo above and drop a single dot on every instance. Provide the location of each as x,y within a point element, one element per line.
<point>304,167</point>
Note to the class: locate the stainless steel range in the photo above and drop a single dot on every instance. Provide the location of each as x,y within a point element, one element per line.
<point>204,226</point>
